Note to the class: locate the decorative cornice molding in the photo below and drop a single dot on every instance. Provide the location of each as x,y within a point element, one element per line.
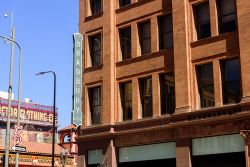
<point>245,134</point>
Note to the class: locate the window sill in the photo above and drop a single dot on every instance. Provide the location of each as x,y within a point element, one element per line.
<point>92,17</point>
<point>144,57</point>
<point>211,39</point>
<point>132,5</point>
<point>94,68</point>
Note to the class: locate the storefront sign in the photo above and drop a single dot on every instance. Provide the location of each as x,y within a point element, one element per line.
<point>28,111</point>
<point>77,80</point>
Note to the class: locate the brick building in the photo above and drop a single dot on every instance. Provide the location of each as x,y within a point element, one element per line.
<point>165,82</point>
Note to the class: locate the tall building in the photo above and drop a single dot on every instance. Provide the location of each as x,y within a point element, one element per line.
<point>165,83</point>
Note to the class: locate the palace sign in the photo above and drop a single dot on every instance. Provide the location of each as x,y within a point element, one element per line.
<point>28,112</point>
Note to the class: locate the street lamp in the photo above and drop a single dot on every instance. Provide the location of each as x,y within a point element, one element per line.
<point>63,156</point>
<point>54,115</point>
<point>7,138</point>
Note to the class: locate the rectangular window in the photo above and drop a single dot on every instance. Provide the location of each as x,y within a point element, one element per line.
<point>124,2</point>
<point>125,42</point>
<point>145,37</point>
<point>146,97</point>
<point>226,15</point>
<point>165,24</point>
<point>95,49</point>
<point>94,158</point>
<point>95,104</point>
<point>202,20</point>
<point>219,151</point>
<point>230,81</point>
<point>95,6</point>
<point>167,93</point>
<point>126,100</point>
<point>206,85</point>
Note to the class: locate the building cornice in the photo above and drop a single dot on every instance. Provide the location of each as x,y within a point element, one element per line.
<point>237,113</point>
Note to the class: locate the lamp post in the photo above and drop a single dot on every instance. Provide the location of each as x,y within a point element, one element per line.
<point>54,115</point>
<point>7,138</point>
<point>63,156</point>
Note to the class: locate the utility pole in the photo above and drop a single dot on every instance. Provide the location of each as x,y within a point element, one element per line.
<point>19,83</point>
<point>19,94</point>
<point>7,138</point>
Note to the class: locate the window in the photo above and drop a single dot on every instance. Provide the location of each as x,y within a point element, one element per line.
<point>202,20</point>
<point>165,32</point>
<point>146,97</point>
<point>206,85</point>
<point>94,158</point>
<point>145,37</point>
<point>95,6</point>
<point>95,104</point>
<point>226,15</point>
<point>230,81</point>
<point>66,138</point>
<point>125,42</point>
<point>167,93</point>
<point>218,151</point>
<point>95,49</point>
<point>126,100</point>
<point>124,2</point>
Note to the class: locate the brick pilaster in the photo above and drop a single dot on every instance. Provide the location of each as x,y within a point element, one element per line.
<point>136,99</point>
<point>183,153</point>
<point>154,35</point>
<point>181,55</point>
<point>156,95</point>
<point>243,17</point>
<point>213,18</point>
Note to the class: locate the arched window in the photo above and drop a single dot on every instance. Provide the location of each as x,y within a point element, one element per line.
<point>66,138</point>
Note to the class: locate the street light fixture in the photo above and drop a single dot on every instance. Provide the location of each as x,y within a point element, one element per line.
<point>54,114</point>
<point>63,156</point>
<point>7,138</point>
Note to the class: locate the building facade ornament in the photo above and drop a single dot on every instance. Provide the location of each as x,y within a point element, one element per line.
<point>245,134</point>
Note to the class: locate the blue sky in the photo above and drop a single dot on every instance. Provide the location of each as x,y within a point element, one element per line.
<point>44,29</point>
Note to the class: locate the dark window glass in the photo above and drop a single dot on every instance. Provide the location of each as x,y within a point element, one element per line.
<point>125,43</point>
<point>124,2</point>
<point>226,15</point>
<point>150,163</point>
<point>146,97</point>
<point>231,81</point>
<point>95,105</point>
<point>96,6</point>
<point>126,100</point>
<point>165,32</point>
<point>202,20</point>
<point>206,85</point>
<point>95,49</point>
<point>236,159</point>
<point>167,93</point>
<point>145,37</point>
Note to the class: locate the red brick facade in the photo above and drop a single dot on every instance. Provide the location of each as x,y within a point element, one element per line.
<point>189,120</point>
